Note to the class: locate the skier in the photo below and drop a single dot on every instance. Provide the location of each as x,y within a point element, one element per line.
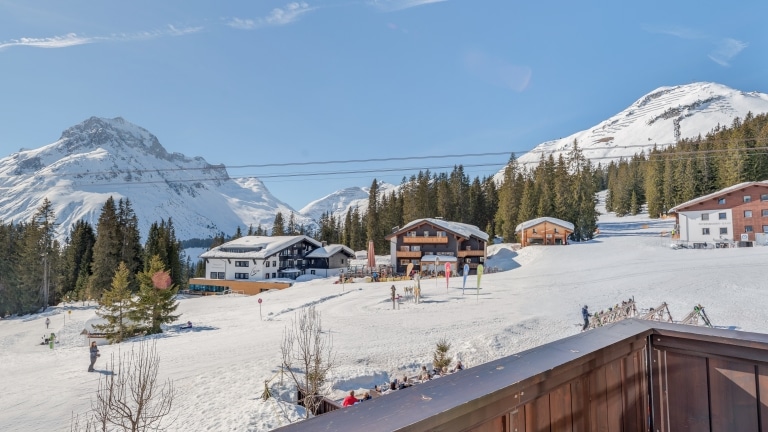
<point>47,322</point>
<point>585,314</point>
<point>94,355</point>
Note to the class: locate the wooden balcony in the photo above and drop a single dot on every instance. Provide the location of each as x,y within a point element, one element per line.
<point>470,253</point>
<point>630,376</point>
<point>425,240</point>
<point>409,254</point>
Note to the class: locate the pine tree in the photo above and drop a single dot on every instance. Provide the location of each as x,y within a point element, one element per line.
<point>106,250</point>
<point>440,357</point>
<point>373,228</point>
<point>116,305</point>
<point>507,213</point>
<point>156,300</point>
<point>292,229</point>
<point>77,257</point>
<point>278,226</point>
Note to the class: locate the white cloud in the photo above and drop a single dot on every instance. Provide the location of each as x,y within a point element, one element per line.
<point>395,5</point>
<point>726,49</point>
<point>73,39</point>
<point>67,40</point>
<point>680,32</point>
<point>498,72</point>
<point>279,16</point>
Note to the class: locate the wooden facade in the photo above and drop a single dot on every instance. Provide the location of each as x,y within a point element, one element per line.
<point>634,375</point>
<point>216,286</point>
<point>544,231</point>
<point>423,237</point>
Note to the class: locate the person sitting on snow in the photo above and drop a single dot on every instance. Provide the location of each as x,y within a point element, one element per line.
<point>350,400</point>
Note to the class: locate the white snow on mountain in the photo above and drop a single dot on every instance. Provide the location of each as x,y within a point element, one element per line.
<point>340,202</point>
<point>99,158</point>
<point>660,118</point>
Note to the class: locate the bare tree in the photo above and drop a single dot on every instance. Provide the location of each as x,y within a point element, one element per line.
<point>131,398</point>
<point>307,354</point>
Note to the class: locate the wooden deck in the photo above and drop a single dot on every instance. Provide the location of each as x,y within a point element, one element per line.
<point>634,375</point>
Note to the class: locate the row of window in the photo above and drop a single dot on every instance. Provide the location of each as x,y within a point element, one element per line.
<point>745,198</point>
<point>426,234</point>
<point>724,230</point>
<point>724,216</point>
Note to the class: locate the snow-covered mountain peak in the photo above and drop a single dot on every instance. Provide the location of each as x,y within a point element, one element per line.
<point>99,158</point>
<point>660,118</point>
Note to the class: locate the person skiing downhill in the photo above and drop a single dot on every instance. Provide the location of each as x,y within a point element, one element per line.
<point>585,314</point>
<point>94,354</point>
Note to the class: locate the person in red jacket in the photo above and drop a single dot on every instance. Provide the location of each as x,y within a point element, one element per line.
<point>350,400</point>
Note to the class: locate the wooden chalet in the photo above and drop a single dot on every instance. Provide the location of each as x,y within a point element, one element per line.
<point>457,242</point>
<point>630,376</point>
<point>544,231</point>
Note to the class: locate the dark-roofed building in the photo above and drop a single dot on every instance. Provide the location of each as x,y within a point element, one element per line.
<point>463,242</point>
<point>329,260</point>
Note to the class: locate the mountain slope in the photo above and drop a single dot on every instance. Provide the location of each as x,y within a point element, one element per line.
<point>340,202</point>
<point>100,157</point>
<point>660,118</point>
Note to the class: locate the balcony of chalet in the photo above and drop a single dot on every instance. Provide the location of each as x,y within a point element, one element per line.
<point>425,240</point>
<point>470,253</point>
<point>630,376</point>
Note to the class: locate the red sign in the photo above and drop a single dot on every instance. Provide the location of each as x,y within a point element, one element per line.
<point>259,300</point>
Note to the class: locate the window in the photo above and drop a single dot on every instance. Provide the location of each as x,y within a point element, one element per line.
<point>533,230</point>
<point>723,231</point>
<point>764,197</point>
<point>274,264</point>
<point>217,275</point>
<point>273,275</point>
<point>722,216</point>
<point>748,228</point>
<point>556,231</point>
<point>705,231</point>
<point>241,263</point>
<point>705,216</point>
<point>342,261</point>
<point>764,213</point>
<point>241,275</point>
<point>721,201</point>
<point>765,229</point>
<point>426,233</point>
<point>411,234</point>
<point>404,262</point>
<point>266,275</point>
<point>266,263</point>
<point>442,234</point>
<point>747,213</point>
<point>747,198</point>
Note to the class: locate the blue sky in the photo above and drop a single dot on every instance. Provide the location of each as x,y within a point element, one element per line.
<point>252,83</point>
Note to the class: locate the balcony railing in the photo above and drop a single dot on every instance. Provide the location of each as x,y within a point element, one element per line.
<point>468,253</point>
<point>425,240</point>
<point>409,254</point>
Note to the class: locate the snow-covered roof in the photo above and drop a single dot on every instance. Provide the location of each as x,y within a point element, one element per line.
<point>724,191</point>
<point>259,247</point>
<point>464,230</point>
<point>534,222</point>
<point>330,250</point>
